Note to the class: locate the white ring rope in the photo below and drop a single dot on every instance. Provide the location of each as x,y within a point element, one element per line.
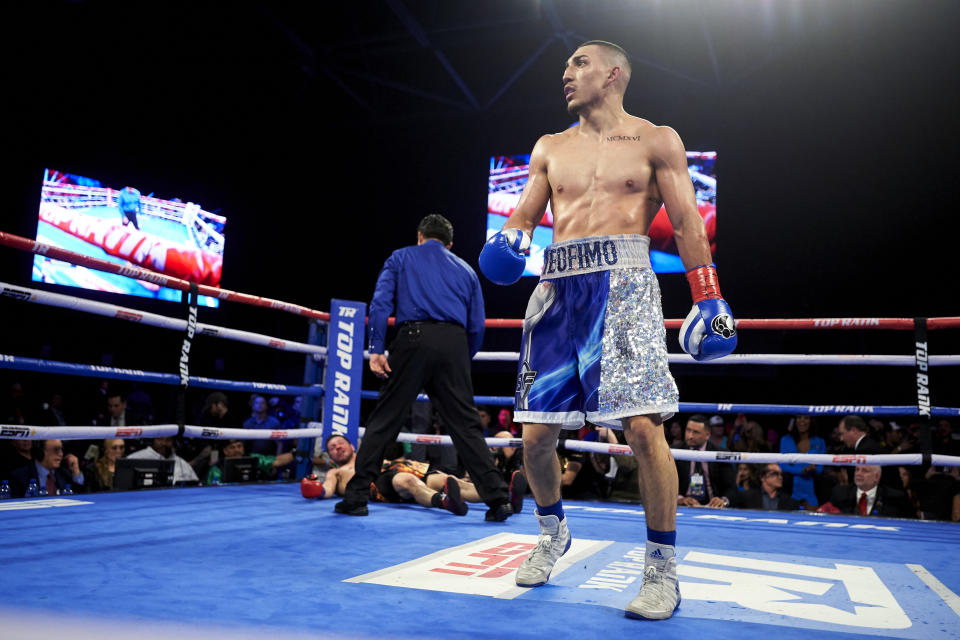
<point>37,296</point>
<point>886,459</point>
<point>772,358</point>
<point>26,294</point>
<point>8,431</point>
<point>29,432</point>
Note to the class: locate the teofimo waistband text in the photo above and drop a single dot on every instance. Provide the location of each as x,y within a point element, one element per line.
<point>598,253</point>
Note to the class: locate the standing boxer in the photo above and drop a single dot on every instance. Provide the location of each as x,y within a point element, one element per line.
<point>440,321</point>
<point>594,341</point>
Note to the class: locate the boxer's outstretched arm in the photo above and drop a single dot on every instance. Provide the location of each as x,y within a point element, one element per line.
<point>536,193</point>
<point>679,198</point>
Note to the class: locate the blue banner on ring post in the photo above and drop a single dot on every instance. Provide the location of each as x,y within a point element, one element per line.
<point>344,376</point>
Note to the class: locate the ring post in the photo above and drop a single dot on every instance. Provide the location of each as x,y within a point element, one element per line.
<point>190,302</point>
<point>924,438</point>
<point>344,372</point>
<point>308,413</point>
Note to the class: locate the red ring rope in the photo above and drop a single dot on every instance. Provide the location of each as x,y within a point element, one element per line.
<point>40,248</point>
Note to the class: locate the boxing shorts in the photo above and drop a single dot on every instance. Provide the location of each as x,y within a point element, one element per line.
<point>381,489</point>
<point>594,342</point>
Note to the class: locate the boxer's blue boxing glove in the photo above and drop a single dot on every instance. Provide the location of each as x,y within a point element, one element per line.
<point>502,259</point>
<point>709,331</point>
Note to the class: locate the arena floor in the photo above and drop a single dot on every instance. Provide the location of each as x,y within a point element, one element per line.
<point>260,561</point>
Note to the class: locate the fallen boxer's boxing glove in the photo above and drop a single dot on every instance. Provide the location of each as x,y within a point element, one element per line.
<point>311,487</point>
<point>501,259</point>
<point>709,330</point>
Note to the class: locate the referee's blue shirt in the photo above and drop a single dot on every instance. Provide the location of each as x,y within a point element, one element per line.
<point>427,282</point>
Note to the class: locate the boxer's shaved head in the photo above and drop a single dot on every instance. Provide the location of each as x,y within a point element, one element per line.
<point>614,56</point>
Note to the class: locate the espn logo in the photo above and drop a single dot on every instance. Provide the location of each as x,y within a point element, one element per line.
<point>850,459</point>
<point>494,562</point>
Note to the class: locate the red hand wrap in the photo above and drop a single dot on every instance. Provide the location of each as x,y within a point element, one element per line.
<point>703,283</point>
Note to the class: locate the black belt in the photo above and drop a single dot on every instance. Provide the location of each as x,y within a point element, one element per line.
<point>417,323</point>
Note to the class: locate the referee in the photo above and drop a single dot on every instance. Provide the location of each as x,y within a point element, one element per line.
<point>440,318</point>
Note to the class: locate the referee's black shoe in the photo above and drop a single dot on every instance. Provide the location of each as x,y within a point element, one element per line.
<point>351,508</point>
<point>499,513</point>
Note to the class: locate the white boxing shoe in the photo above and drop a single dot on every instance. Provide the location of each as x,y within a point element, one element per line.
<point>659,594</point>
<point>554,541</point>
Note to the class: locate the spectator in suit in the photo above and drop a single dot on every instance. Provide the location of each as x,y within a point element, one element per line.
<point>709,484</point>
<point>770,496</point>
<point>866,496</point>
<point>117,414</point>
<point>52,470</point>
<point>856,436</point>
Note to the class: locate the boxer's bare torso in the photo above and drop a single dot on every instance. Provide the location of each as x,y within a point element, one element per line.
<point>337,479</point>
<point>612,181</point>
<point>602,184</point>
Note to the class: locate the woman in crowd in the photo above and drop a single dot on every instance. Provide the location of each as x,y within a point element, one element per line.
<point>802,438</point>
<point>752,439</point>
<point>106,464</point>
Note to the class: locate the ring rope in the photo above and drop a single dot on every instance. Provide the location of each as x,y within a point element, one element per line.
<point>140,273</point>
<point>37,296</point>
<point>32,432</point>
<point>780,324</point>
<point>763,409</point>
<point>26,294</point>
<point>40,248</point>
<point>886,459</point>
<point>96,371</point>
<point>87,433</point>
<point>770,359</point>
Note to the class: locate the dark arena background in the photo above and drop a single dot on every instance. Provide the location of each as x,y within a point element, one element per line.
<point>324,132</point>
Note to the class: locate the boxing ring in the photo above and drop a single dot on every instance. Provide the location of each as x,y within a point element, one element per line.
<point>258,560</point>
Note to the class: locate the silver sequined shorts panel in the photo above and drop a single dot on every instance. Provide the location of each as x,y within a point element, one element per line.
<point>635,377</point>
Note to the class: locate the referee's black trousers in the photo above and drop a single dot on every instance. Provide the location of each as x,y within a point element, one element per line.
<point>434,357</point>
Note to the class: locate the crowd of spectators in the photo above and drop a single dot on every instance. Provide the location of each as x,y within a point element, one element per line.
<point>925,492</point>
<point>84,466</point>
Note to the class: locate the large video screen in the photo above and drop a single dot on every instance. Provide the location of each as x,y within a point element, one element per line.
<point>126,227</point>
<point>508,176</point>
